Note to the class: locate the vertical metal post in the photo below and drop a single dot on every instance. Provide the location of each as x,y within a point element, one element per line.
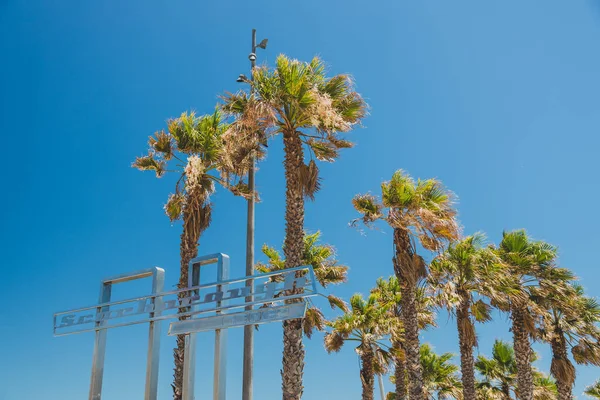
<point>99,346</point>
<point>220,364</point>
<point>158,283</point>
<point>151,386</point>
<point>220,368</point>
<point>381,389</point>
<point>248,363</point>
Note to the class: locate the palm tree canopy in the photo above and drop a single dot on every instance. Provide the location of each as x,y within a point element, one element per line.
<point>365,323</point>
<point>192,147</point>
<point>500,372</point>
<point>327,269</point>
<point>440,377</point>
<point>574,317</point>
<point>294,98</point>
<point>387,293</point>
<point>593,391</point>
<point>533,261</point>
<point>467,268</point>
<point>423,208</point>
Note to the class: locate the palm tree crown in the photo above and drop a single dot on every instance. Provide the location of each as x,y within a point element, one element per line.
<point>327,269</point>
<point>593,391</point>
<point>366,323</point>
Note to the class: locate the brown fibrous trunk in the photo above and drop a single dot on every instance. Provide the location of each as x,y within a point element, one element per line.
<point>293,348</point>
<point>561,368</point>
<point>406,270</point>
<point>523,352</point>
<point>466,340</point>
<point>367,375</point>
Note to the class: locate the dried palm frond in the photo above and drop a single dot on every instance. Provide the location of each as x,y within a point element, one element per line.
<point>309,179</point>
<point>313,319</point>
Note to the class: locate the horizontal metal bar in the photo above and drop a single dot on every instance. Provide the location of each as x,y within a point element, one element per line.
<point>145,273</point>
<point>191,313</point>
<point>254,317</point>
<point>199,287</point>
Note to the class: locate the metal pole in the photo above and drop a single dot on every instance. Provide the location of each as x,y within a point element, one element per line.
<point>381,390</point>
<point>247,378</point>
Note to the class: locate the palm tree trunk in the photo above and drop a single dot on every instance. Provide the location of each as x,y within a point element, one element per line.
<point>188,251</point>
<point>466,340</point>
<point>506,391</point>
<point>561,368</point>
<point>523,352</point>
<point>406,272</point>
<point>400,373</point>
<point>293,348</point>
<point>367,375</point>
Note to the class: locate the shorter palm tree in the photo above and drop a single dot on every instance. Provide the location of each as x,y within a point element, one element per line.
<point>388,294</point>
<point>366,324</point>
<point>460,280</point>
<point>593,390</point>
<point>440,376</point>
<point>500,376</point>
<point>499,372</point>
<point>327,269</point>
<point>570,324</point>
<point>531,265</point>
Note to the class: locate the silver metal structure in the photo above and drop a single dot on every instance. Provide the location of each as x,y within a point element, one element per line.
<point>216,306</point>
<point>158,280</point>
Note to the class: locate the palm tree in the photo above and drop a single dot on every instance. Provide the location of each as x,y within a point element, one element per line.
<point>417,211</point>
<point>570,324</point>
<point>327,269</point>
<point>593,390</point>
<point>192,146</point>
<point>500,376</point>
<point>440,377</point>
<point>365,324</point>
<point>459,278</point>
<point>388,295</point>
<point>530,265</point>
<point>298,100</point>
<point>500,371</point>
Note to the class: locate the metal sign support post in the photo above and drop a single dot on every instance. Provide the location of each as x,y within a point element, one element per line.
<point>189,363</point>
<point>158,281</point>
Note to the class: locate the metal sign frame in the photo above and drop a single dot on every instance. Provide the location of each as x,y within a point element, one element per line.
<point>280,296</point>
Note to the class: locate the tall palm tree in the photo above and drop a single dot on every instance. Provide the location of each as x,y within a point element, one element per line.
<point>500,376</point>
<point>440,376</point>
<point>366,325</point>
<point>593,391</point>
<point>327,269</point>
<point>459,279</point>
<point>417,211</point>
<point>571,323</point>
<point>191,147</point>
<point>309,109</point>
<point>531,266</point>
<point>389,296</point>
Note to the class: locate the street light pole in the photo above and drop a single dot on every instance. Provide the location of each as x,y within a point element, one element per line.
<point>247,379</point>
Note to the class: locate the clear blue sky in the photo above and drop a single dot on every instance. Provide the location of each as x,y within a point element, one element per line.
<point>500,100</point>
